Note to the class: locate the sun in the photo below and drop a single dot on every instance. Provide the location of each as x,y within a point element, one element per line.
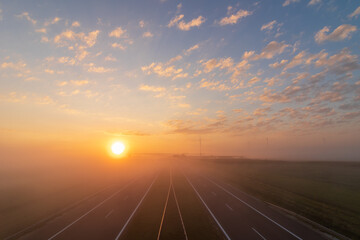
<point>117,148</point>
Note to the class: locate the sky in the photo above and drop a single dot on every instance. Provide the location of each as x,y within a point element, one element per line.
<point>266,79</point>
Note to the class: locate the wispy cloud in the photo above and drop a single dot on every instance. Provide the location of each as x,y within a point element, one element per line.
<point>268,26</point>
<point>314,2</point>
<point>288,2</point>
<point>26,15</point>
<point>340,33</point>
<point>186,26</point>
<point>355,13</point>
<point>234,18</point>
<point>272,49</point>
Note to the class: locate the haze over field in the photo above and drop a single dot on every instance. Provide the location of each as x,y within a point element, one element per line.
<point>266,79</point>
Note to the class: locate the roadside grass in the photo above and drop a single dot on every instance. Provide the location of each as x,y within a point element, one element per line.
<point>325,192</point>
<point>198,222</point>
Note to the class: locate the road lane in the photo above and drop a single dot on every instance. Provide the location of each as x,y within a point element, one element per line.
<point>240,222</point>
<point>88,221</point>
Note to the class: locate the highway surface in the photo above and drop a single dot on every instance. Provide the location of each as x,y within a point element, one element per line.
<point>241,216</point>
<point>115,213</point>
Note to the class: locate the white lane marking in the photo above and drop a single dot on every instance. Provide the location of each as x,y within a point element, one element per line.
<point>165,206</point>
<point>107,215</point>
<point>132,214</point>
<point>254,209</point>
<point>258,233</point>
<point>229,207</point>
<point>218,223</point>
<point>178,207</point>
<point>89,211</point>
<point>213,193</point>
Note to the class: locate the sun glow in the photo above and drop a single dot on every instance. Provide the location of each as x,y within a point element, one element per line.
<point>117,148</point>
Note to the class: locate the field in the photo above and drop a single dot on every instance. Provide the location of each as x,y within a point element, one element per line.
<point>326,192</point>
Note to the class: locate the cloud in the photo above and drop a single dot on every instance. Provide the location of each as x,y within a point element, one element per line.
<point>184,105</point>
<point>272,49</point>
<point>16,66</point>
<point>141,24</point>
<point>79,82</point>
<point>288,94</point>
<point>175,20</point>
<point>278,64</point>
<point>110,58</point>
<point>118,33</point>
<point>174,59</point>
<point>163,70</point>
<point>213,85</point>
<point>351,115</point>
<point>100,69</point>
<point>13,97</point>
<point>51,22</point>
<point>118,45</point>
<point>288,2</point>
<point>340,63</point>
<point>329,96</point>
<point>234,18</point>
<point>147,35</point>
<point>238,110</point>
<point>223,63</point>
<point>297,60</point>
<point>189,50</point>
<point>268,26</point>
<point>248,54</point>
<point>340,33</point>
<point>355,13</point>
<point>314,2</point>
<point>148,88</point>
<point>67,36</point>
<point>41,30</point>
<point>66,60</point>
<point>207,125</point>
<point>75,24</point>
<point>27,17</point>
<point>44,39</point>
<point>197,112</point>
<point>186,26</point>
<point>49,71</point>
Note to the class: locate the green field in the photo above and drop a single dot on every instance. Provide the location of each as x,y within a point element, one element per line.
<point>326,192</point>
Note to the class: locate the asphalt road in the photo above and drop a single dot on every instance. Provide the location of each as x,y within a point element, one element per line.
<point>108,214</point>
<point>241,216</point>
<point>103,216</point>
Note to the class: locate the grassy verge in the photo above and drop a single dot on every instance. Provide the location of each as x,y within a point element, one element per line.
<point>325,192</point>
